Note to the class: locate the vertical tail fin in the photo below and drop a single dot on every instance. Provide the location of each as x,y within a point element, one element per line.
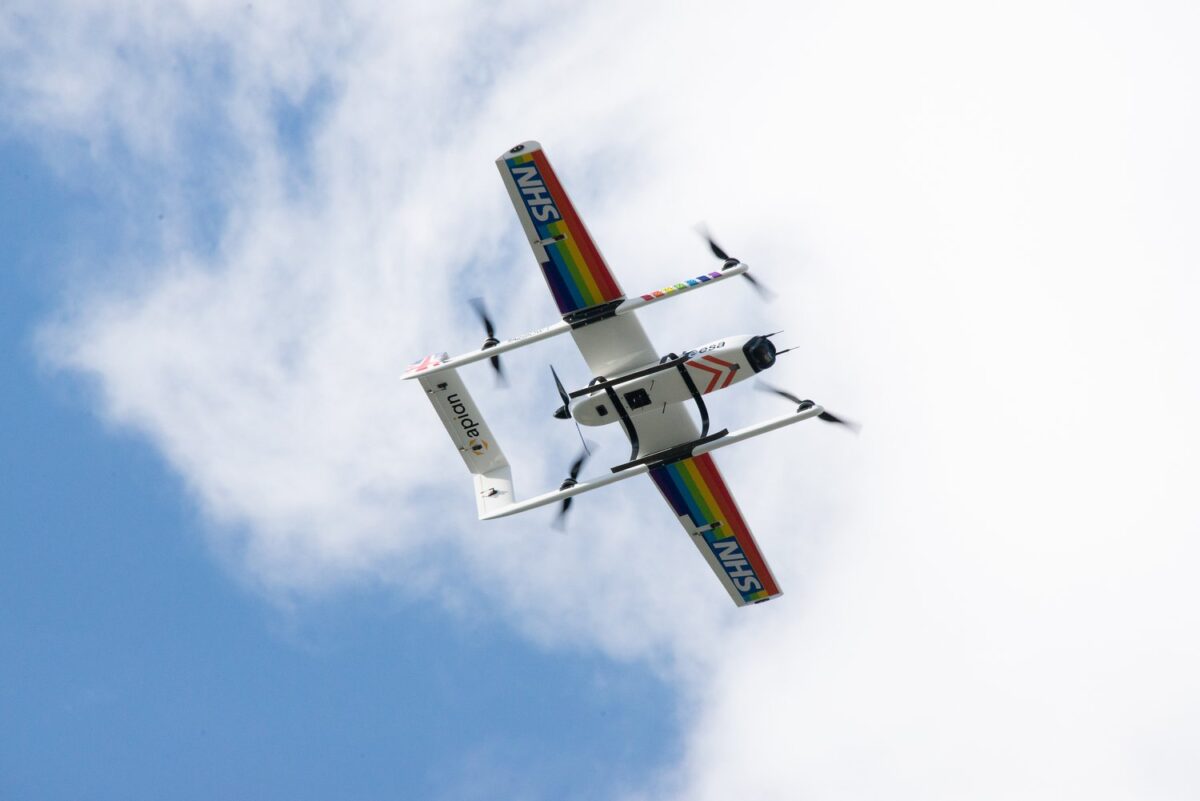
<point>471,435</point>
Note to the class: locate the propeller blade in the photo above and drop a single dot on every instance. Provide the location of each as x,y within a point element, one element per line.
<point>763,386</point>
<point>491,341</point>
<point>582,441</point>
<point>717,250</point>
<point>563,412</point>
<point>571,480</point>
<point>732,261</point>
<point>828,417</point>
<point>560,519</point>
<point>481,312</point>
<point>578,464</point>
<point>759,287</point>
<point>832,418</point>
<point>562,391</point>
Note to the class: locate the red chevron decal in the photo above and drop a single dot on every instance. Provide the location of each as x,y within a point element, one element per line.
<point>719,368</point>
<point>716,374</point>
<point>728,365</point>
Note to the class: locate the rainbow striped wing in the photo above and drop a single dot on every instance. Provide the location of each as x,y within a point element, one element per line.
<point>695,490</point>
<point>574,269</point>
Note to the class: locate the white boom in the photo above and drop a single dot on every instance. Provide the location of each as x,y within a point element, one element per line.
<point>494,494</point>
<point>626,306</point>
<point>513,507</point>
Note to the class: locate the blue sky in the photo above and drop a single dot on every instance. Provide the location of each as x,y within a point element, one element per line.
<point>137,667</point>
<point>239,556</point>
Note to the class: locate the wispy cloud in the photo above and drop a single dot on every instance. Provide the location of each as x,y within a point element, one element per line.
<point>978,223</point>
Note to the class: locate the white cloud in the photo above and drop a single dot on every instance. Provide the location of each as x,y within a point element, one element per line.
<point>979,220</point>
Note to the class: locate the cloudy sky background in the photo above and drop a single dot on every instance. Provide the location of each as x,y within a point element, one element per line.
<point>980,222</point>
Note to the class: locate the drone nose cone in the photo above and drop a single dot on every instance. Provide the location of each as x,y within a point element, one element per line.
<point>561,413</point>
<point>760,352</point>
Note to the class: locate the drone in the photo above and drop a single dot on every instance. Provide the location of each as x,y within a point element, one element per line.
<point>645,393</point>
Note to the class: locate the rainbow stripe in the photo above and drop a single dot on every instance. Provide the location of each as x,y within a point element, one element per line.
<point>575,271</point>
<point>667,290</point>
<point>695,490</point>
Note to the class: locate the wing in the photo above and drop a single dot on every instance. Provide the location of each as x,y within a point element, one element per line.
<point>698,495</point>
<point>583,286</point>
<point>575,271</point>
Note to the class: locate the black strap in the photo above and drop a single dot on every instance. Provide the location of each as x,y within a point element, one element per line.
<point>691,385</point>
<point>625,420</point>
<point>598,386</point>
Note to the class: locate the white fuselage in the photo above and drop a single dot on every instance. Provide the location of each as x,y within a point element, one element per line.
<point>710,367</point>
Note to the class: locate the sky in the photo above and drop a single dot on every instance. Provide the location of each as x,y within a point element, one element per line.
<point>240,557</point>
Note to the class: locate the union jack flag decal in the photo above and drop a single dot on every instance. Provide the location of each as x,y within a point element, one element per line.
<point>432,360</point>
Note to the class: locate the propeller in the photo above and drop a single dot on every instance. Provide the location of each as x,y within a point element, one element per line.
<point>801,405</point>
<point>731,261</point>
<point>564,412</point>
<point>571,480</point>
<point>488,326</point>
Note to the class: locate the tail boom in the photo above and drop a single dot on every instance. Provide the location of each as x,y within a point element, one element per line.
<point>626,306</point>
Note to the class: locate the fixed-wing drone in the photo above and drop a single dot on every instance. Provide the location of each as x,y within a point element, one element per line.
<point>633,386</point>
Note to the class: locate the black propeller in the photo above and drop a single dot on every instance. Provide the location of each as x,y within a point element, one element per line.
<point>571,480</point>
<point>564,412</point>
<point>731,261</point>
<point>801,405</point>
<point>490,328</point>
